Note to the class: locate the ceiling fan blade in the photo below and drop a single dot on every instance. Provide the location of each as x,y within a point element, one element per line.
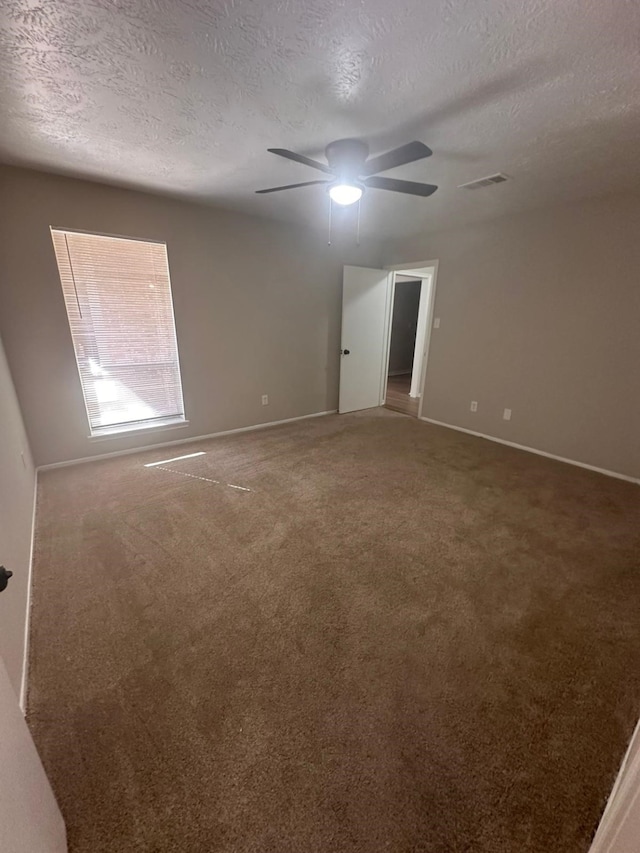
<point>396,186</point>
<point>398,157</point>
<point>292,186</point>
<point>300,158</point>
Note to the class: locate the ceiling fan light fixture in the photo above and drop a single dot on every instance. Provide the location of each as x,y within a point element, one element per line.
<point>345,194</point>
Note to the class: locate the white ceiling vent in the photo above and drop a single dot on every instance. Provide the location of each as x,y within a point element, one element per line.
<point>484,182</point>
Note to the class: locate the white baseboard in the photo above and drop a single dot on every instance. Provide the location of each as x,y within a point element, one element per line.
<point>536,451</point>
<point>399,372</point>
<point>127,452</point>
<point>27,620</point>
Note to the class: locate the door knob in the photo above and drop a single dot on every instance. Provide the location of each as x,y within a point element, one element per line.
<point>345,351</point>
<point>5,574</point>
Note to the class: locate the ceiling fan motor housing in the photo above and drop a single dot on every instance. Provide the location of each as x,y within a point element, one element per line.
<point>346,158</point>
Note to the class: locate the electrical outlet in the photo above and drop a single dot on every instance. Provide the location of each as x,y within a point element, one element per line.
<point>507,415</point>
<point>436,323</point>
<point>265,399</point>
<point>474,405</point>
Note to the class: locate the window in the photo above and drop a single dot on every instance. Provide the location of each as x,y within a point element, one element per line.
<point>118,297</point>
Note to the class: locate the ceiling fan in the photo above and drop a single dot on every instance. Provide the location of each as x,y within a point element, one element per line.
<point>351,170</point>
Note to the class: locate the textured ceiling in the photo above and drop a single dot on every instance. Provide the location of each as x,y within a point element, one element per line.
<point>185,96</point>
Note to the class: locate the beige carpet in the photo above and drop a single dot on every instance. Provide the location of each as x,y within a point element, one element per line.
<point>402,638</point>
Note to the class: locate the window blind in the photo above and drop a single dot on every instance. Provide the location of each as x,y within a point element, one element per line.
<point>118,297</point>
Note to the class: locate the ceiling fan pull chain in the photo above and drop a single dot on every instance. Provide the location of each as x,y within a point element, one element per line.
<point>358,226</point>
<point>330,207</point>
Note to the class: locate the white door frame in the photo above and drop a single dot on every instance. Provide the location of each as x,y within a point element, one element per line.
<point>425,271</point>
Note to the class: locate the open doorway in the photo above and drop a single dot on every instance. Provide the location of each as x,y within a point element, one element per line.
<point>366,338</point>
<point>402,344</point>
<point>410,318</point>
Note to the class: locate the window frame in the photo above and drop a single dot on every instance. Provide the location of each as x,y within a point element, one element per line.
<point>124,428</point>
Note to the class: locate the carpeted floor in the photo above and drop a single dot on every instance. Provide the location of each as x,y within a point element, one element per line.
<point>402,638</point>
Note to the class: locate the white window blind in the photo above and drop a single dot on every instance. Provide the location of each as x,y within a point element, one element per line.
<point>118,297</point>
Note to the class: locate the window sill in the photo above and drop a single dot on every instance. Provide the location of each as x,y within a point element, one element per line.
<point>123,432</point>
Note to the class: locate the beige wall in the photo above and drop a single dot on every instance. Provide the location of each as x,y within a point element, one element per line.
<point>17,494</point>
<point>540,313</point>
<point>257,308</point>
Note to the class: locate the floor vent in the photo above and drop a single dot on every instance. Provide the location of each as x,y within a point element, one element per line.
<point>499,178</point>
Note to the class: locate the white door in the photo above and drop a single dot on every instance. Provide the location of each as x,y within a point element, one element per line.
<point>366,295</point>
<point>30,821</point>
